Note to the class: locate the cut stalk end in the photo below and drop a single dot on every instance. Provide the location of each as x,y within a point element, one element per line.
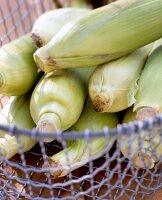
<point>101,103</point>
<point>37,40</point>
<point>146,113</point>
<point>48,122</point>
<point>143,161</point>
<point>53,164</point>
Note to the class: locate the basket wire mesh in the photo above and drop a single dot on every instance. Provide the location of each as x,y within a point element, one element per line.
<point>109,176</point>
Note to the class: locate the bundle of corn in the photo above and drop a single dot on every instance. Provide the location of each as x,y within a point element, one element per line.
<point>83,52</point>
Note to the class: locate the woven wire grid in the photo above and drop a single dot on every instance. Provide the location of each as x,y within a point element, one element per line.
<point>108,175</point>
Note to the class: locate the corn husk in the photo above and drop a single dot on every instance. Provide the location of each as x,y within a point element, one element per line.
<point>16,112</point>
<point>58,99</point>
<point>102,35</point>
<point>144,149</point>
<point>18,71</point>
<point>78,150</point>
<point>112,86</point>
<point>48,24</point>
<point>149,96</point>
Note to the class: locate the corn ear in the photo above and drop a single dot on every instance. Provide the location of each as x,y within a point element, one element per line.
<point>78,150</point>
<point>48,24</point>
<point>149,96</point>
<point>17,112</point>
<point>148,99</point>
<point>102,35</point>
<point>112,86</point>
<point>58,99</point>
<point>18,71</point>
<point>148,153</point>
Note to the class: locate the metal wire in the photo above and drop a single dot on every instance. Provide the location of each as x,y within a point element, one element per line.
<point>107,175</point>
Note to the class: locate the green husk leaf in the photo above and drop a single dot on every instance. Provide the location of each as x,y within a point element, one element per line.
<point>149,95</point>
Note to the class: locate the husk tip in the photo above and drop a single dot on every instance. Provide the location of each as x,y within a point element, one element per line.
<point>37,40</point>
<point>45,126</point>
<point>48,122</point>
<point>38,61</point>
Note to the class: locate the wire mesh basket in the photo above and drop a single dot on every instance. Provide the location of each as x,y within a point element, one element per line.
<point>107,175</point>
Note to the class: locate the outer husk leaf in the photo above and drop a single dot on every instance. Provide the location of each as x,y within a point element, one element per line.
<point>149,94</point>
<point>112,86</point>
<point>58,99</point>
<point>78,150</point>
<point>17,112</point>
<point>84,43</point>
<point>18,71</point>
<point>48,24</point>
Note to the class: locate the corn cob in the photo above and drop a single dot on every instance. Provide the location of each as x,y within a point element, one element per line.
<point>18,71</point>
<point>151,147</point>
<point>58,99</point>
<point>78,151</point>
<point>17,112</point>
<point>112,86</point>
<point>102,35</point>
<point>49,23</point>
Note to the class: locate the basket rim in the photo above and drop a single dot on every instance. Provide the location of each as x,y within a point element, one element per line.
<point>134,127</point>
